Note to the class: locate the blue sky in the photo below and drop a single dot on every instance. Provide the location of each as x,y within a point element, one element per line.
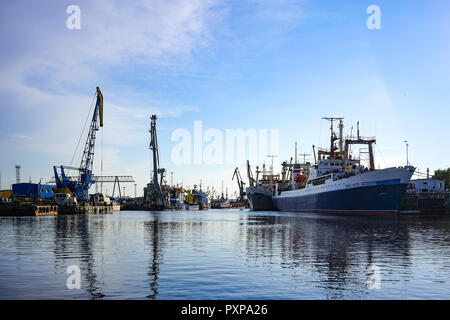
<point>230,64</point>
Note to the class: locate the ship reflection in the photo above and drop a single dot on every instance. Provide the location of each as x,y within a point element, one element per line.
<point>337,249</point>
<point>170,252</point>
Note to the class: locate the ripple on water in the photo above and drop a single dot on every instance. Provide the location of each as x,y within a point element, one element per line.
<point>224,254</point>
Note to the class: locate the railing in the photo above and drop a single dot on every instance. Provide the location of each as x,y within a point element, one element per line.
<point>352,137</point>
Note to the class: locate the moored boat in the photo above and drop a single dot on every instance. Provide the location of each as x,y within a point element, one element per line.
<point>260,191</point>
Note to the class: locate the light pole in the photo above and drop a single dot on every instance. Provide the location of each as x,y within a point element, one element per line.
<point>407,145</point>
<point>124,192</point>
<point>135,193</point>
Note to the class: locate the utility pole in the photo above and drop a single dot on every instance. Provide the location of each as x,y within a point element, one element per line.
<point>18,173</point>
<point>124,191</point>
<point>407,145</point>
<point>135,193</point>
<point>295,162</point>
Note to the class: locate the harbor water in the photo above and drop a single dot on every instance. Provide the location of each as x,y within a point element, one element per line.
<point>225,254</point>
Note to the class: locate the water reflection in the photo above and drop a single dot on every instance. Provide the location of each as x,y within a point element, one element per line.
<point>152,238</point>
<point>223,254</point>
<point>339,249</point>
<point>74,241</point>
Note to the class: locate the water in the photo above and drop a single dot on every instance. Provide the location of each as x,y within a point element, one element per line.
<point>224,254</point>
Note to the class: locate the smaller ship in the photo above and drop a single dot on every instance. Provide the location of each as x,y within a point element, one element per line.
<point>190,202</point>
<point>176,197</point>
<point>260,192</point>
<point>98,203</point>
<point>201,198</point>
<point>64,199</point>
<point>222,202</point>
<point>101,199</point>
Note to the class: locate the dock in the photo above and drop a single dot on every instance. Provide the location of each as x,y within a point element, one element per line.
<point>86,209</point>
<point>28,210</point>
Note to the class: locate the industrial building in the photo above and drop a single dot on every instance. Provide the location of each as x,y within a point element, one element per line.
<point>32,190</point>
<point>426,185</point>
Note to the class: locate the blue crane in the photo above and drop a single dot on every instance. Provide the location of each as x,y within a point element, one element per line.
<point>80,185</point>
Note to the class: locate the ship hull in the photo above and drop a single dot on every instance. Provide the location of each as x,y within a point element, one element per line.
<point>377,192</point>
<point>260,199</point>
<point>363,200</point>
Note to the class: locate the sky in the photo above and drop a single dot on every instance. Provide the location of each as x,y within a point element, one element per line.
<point>262,65</point>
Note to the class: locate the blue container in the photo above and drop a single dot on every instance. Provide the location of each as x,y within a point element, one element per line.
<point>32,190</point>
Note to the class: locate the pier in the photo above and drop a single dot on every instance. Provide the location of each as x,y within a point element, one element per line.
<point>86,209</point>
<point>28,210</point>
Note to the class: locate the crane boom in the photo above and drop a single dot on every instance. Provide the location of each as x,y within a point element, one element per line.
<point>80,187</point>
<point>241,183</point>
<point>87,160</point>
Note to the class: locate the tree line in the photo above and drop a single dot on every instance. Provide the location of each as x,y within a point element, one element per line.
<point>443,174</point>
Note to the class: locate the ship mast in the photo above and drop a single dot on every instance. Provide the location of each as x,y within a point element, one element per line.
<point>333,137</point>
<point>360,140</point>
<point>343,153</point>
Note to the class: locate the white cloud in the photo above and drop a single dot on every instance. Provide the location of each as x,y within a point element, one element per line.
<point>48,86</point>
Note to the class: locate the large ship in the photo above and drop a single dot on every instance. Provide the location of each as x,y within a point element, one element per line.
<point>336,183</point>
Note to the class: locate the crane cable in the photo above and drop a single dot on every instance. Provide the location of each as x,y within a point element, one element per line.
<point>82,132</point>
<point>379,150</point>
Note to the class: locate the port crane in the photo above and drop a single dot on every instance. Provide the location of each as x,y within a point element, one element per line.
<point>80,186</point>
<point>153,194</point>
<point>240,182</point>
